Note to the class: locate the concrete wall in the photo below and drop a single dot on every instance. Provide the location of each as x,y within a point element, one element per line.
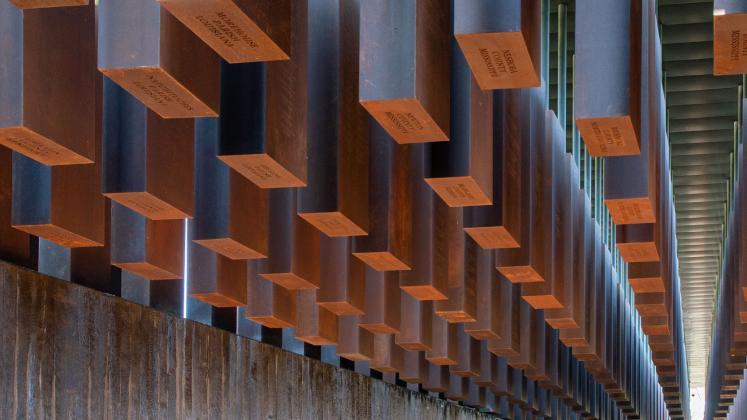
<point>71,352</point>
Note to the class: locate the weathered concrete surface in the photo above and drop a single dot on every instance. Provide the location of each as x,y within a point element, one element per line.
<point>68,352</point>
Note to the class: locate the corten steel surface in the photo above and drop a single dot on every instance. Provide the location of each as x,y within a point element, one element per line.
<point>637,243</point>
<point>239,31</point>
<point>404,68</point>
<point>608,76</point>
<point>498,225</point>
<point>295,248</point>
<point>729,23</point>
<point>35,104</point>
<point>481,265</point>
<point>463,166</point>
<point>547,294</point>
<point>284,109</point>
<point>507,344</point>
<point>515,263</point>
<point>444,343</point>
<point>577,335</point>
<point>149,161</point>
<point>154,57</point>
<point>269,304</point>
<point>486,268</point>
<point>342,278</point>
<point>451,253</point>
<point>424,280</point>
<point>501,42</point>
<point>62,203</point>
<point>382,306</point>
<point>634,199</point>
<point>219,220</point>
<point>336,197</point>
<point>568,256</point>
<point>415,330</point>
<point>217,280</point>
<point>146,247</point>
<point>353,342</point>
<point>388,243</point>
<point>315,324</point>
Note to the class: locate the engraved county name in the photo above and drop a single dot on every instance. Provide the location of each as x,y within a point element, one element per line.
<point>504,62</point>
<point>226,30</point>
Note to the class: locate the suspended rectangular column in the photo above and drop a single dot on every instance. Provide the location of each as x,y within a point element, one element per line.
<point>729,42</point>
<point>152,249</point>
<point>315,324</point>
<point>451,253</point>
<point>458,388</point>
<point>388,244</point>
<point>578,337</point>
<point>336,197</point>
<point>239,31</point>
<point>462,168</point>
<point>35,103</point>
<point>73,219</point>
<point>487,325</point>
<point>526,326</point>
<point>638,242</point>
<point>353,342</point>
<point>217,280</point>
<point>591,350</point>
<point>498,225</point>
<point>404,70</point>
<point>415,330</point>
<point>501,41</point>
<point>293,245</point>
<point>423,281</point>
<point>608,76</point>
<point>521,265</point>
<point>569,256</point>
<point>488,367</point>
<point>153,56</point>
<point>415,369</point>
<point>444,342</point>
<point>342,278</point>
<point>508,343</point>
<point>149,161</point>
<point>468,355</point>
<point>388,357</point>
<point>547,294</point>
<point>297,265</point>
<point>268,304</point>
<point>225,197</point>
<point>646,277</point>
<point>383,308</point>
<point>634,199</point>
<point>214,278</point>
<point>438,378</point>
<point>287,101</point>
<point>539,373</point>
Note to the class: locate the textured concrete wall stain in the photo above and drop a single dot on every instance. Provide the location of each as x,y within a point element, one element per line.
<point>68,352</point>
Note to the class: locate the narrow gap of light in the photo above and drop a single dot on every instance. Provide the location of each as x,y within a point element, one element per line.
<point>719,12</point>
<point>184,270</point>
